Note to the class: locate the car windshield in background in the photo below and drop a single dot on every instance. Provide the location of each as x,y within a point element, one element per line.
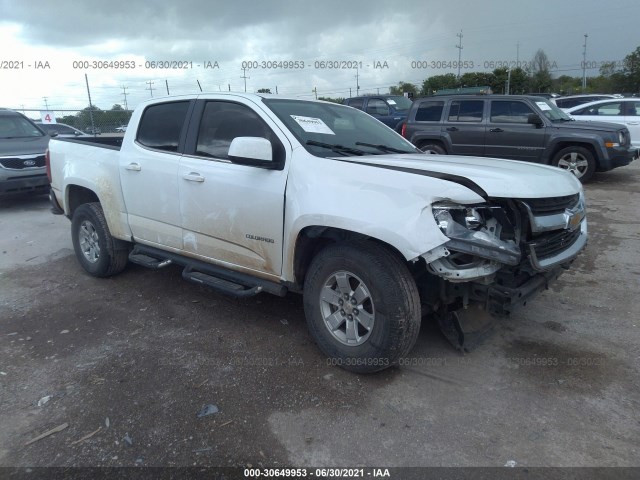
<point>329,130</point>
<point>399,102</point>
<point>552,112</point>
<point>15,126</point>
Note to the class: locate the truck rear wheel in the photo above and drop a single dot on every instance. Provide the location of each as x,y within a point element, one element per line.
<point>576,160</point>
<point>99,253</point>
<point>362,306</point>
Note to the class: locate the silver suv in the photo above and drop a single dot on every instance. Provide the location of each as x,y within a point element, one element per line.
<point>22,150</point>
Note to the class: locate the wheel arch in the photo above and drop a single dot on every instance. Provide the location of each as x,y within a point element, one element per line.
<point>313,239</point>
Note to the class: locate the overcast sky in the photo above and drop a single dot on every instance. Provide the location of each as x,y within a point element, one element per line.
<point>232,31</point>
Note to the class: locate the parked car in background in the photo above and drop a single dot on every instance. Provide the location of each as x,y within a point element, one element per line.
<point>93,130</point>
<point>389,109</point>
<point>545,95</point>
<point>517,127</point>
<point>121,129</point>
<point>575,100</point>
<point>60,130</point>
<point>22,155</point>
<point>625,111</point>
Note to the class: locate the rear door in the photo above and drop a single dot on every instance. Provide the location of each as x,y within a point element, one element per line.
<point>464,126</point>
<point>232,214</point>
<point>149,175</point>
<point>509,135</point>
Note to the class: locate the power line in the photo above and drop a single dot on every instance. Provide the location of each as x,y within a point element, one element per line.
<point>124,92</point>
<point>150,83</point>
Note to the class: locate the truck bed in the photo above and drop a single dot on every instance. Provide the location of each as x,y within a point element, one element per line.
<point>113,143</point>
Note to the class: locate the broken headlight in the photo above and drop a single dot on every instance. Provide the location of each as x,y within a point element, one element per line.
<point>480,230</point>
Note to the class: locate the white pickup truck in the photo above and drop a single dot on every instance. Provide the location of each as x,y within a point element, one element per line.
<point>255,193</point>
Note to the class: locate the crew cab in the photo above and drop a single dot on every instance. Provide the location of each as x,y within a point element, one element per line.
<point>252,194</point>
<point>517,127</point>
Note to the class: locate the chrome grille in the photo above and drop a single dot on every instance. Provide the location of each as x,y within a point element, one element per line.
<point>18,163</point>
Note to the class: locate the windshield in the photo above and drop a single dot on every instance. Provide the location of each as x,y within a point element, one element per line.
<point>330,130</point>
<point>551,111</point>
<point>15,126</point>
<point>400,103</point>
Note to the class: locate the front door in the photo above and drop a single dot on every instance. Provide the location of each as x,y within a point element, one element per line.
<point>232,214</point>
<point>509,135</point>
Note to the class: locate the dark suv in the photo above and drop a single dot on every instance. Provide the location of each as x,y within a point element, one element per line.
<point>22,150</point>
<point>517,127</point>
<point>389,109</point>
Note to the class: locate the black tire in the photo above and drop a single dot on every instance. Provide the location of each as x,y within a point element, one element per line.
<point>393,305</point>
<point>577,160</point>
<point>432,148</point>
<point>98,252</point>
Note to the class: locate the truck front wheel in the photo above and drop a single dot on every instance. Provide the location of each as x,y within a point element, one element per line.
<point>99,253</point>
<point>362,306</point>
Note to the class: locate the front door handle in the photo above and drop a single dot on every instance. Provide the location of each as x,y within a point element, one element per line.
<point>452,129</point>
<point>135,167</point>
<point>633,123</point>
<point>193,177</point>
<point>496,130</point>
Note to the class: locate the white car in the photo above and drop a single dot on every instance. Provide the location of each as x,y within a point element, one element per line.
<point>565,103</point>
<point>625,111</point>
<point>61,130</point>
<point>121,129</point>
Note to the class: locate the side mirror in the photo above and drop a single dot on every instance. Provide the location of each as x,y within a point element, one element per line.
<point>77,133</point>
<point>254,151</point>
<point>53,134</point>
<point>535,119</point>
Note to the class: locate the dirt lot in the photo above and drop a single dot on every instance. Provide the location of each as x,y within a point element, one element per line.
<point>134,358</point>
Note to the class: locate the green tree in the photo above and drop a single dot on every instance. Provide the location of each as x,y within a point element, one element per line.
<point>438,82</point>
<point>402,88</point>
<point>631,71</point>
<point>540,77</point>
<point>333,100</point>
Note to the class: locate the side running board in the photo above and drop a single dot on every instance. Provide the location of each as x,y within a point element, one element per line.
<point>220,279</point>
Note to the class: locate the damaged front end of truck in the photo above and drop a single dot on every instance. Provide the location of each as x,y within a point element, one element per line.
<point>499,254</point>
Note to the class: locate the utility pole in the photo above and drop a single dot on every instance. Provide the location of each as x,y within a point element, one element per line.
<point>459,47</point>
<point>93,125</point>
<point>124,92</point>
<point>244,76</point>
<point>584,64</point>
<point>315,90</point>
<point>518,55</point>
<point>508,86</point>
<point>350,92</point>
<point>150,83</point>
<point>166,82</point>
<point>357,82</point>
<point>46,105</point>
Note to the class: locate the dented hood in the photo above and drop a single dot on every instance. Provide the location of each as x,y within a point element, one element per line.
<point>496,177</point>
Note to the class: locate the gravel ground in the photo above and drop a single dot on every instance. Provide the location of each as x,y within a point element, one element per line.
<point>127,363</point>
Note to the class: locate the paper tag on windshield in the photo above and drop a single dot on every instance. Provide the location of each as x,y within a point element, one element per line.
<point>391,102</point>
<point>543,106</point>
<point>312,125</point>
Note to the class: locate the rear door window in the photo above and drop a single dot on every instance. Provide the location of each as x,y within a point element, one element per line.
<point>161,126</point>
<point>430,111</point>
<point>466,111</point>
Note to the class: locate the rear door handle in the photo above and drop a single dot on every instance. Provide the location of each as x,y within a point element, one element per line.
<point>496,130</point>
<point>633,123</point>
<point>193,177</point>
<point>452,129</point>
<point>134,167</point>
